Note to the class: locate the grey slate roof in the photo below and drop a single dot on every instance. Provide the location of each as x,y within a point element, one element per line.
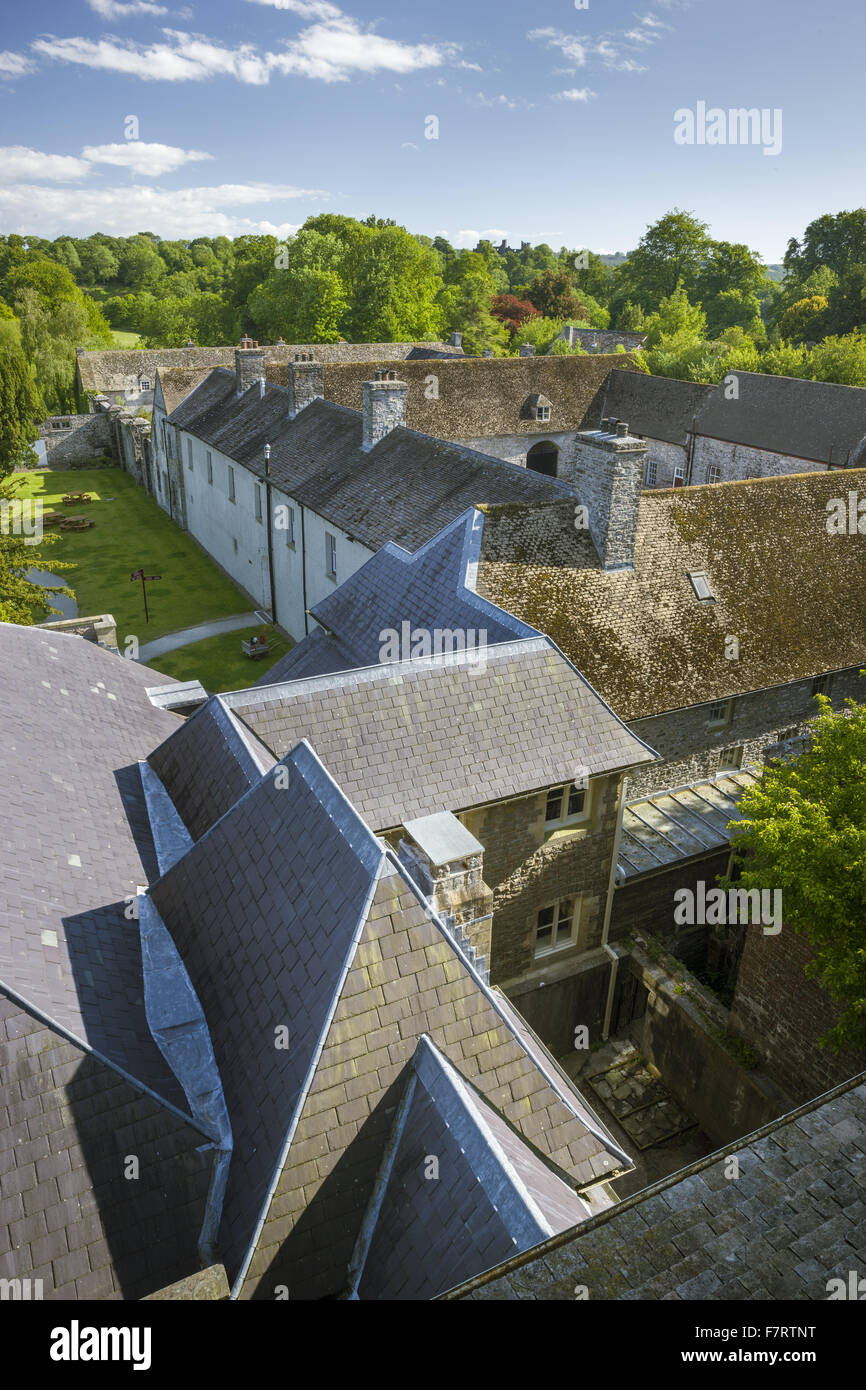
<point>817,421</point>
<point>674,825</point>
<point>75,842</point>
<point>492,1195</point>
<point>430,589</point>
<point>794,1219</point>
<point>447,733</point>
<point>405,489</point>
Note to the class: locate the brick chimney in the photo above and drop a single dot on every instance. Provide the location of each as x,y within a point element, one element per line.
<point>249,366</point>
<point>384,406</point>
<point>527,350</point>
<point>607,476</point>
<point>447,863</point>
<point>306,382</point>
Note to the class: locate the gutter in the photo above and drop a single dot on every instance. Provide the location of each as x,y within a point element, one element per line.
<point>608,912</point>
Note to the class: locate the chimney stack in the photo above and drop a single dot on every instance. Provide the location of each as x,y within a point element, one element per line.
<point>608,473</point>
<point>527,350</point>
<point>249,366</point>
<point>456,340</point>
<point>306,382</point>
<point>384,406</point>
<point>487,352</point>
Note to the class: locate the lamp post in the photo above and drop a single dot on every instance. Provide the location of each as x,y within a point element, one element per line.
<point>145,580</point>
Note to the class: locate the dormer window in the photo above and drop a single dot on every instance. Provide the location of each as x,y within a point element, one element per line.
<point>537,407</point>
<point>701,585</point>
<point>146,384</point>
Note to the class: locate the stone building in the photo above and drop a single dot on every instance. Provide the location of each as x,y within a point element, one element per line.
<point>750,426</point>
<point>599,339</point>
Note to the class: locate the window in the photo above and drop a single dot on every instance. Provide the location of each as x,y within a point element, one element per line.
<point>565,805</point>
<point>290,526</point>
<point>258,503</point>
<point>231,484</point>
<point>821,685</point>
<point>701,585</point>
<point>235,544</point>
<point>209,468</point>
<point>679,477</point>
<point>146,384</point>
<point>714,474</point>
<point>651,472</point>
<point>731,759</point>
<point>189,463</point>
<point>721,713</point>
<point>555,927</point>
<point>331,555</point>
<point>542,412</point>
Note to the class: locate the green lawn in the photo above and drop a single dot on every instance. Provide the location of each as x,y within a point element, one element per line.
<point>131,532</point>
<point>124,340</point>
<point>219,663</point>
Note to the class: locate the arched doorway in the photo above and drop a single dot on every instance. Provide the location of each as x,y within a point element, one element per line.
<point>543,458</point>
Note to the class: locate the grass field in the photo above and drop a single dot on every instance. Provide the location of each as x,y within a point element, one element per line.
<point>124,340</point>
<point>131,532</point>
<point>219,663</point>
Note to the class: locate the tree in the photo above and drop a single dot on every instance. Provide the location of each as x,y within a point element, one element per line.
<point>19,596</point>
<point>676,323</point>
<point>797,322</point>
<point>512,312</point>
<point>837,241</point>
<point>803,830</point>
<point>397,293</point>
<point>21,409</point>
<point>672,251</point>
<point>466,302</point>
<point>552,293</point>
<point>631,318</point>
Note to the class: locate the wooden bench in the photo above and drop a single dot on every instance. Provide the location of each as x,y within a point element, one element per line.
<point>255,647</point>
<point>72,498</point>
<point>76,523</point>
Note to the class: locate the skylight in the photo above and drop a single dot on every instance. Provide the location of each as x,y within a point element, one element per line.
<point>701,584</point>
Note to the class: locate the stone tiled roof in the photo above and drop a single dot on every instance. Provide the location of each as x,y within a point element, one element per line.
<point>68,1214</point>
<point>75,842</point>
<point>174,384</point>
<point>642,638</point>
<point>492,1195</point>
<point>106,369</point>
<point>814,420</point>
<point>405,489</point>
<point>793,1219</point>
<point>477,397</point>
<point>429,589</point>
<point>456,731</point>
<point>288,912</point>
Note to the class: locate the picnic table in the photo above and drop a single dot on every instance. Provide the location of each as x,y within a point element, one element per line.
<point>255,647</point>
<point>53,518</point>
<point>70,499</point>
<point>76,523</point>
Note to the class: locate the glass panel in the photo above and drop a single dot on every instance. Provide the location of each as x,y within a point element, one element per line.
<point>554,804</point>
<point>576,800</point>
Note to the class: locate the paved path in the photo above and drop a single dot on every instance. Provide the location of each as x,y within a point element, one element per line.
<point>150,650</point>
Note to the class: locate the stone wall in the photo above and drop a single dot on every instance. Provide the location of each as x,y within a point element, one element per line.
<point>92,437</point>
<point>691,749</point>
<point>527,873</point>
<point>557,1006</point>
<point>782,1014</point>
<point>647,906</point>
<point>736,461</point>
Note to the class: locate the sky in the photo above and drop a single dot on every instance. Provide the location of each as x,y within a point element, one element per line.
<point>550,120</point>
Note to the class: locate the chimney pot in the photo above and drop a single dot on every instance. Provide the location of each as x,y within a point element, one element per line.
<point>527,349</point>
<point>621,428</point>
<point>456,340</point>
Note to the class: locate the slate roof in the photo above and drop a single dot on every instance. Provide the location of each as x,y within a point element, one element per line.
<point>671,826</point>
<point>492,1195</point>
<point>174,384</point>
<point>289,912</point>
<point>794,1219</point>
<point>75,842</point>
<point>405,489</point>
<point>429,589</point>
<point>105,369</point>
<point>642,638</point>
<point>484,396</point>
<point>817,421</point>
<point>411,738</point>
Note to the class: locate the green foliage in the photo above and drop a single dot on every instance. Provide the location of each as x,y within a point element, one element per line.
<point>804,831</point>
<point>20,598</point>
<point>540,333</point>
<point>797,322</point>
<point>21,409</point>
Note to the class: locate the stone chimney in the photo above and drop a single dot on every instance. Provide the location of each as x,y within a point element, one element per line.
<point>447,863</point>
<point>608,472</point>
<point>527,350</point>
<point>249,366</point>
<point>384,406</point>
<point>306,382</point>
<point>456,340</point>
<point>487,352</point>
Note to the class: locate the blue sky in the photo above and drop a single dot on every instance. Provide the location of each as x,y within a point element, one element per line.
<point>554,123</point>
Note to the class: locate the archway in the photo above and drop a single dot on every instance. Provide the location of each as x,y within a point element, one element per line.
<point>543,458</point>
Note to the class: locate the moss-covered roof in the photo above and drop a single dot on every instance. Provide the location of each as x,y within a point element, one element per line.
<point>792,594</point>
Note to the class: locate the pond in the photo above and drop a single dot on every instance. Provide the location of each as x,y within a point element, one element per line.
<point>68,606</point>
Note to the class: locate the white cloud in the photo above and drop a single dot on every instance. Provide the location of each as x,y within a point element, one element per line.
<point>330,51</point>
<point>222,210</point>
<point>509,103</point>
<point>469,238</point>
<point>18,163</point>
<point>141,158</point>
<point>114,9</point>
<point>575,94</point>
<point>14,64</point>
<point>606,49</point>
<point>408,145</point>
<point>310,9</point>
